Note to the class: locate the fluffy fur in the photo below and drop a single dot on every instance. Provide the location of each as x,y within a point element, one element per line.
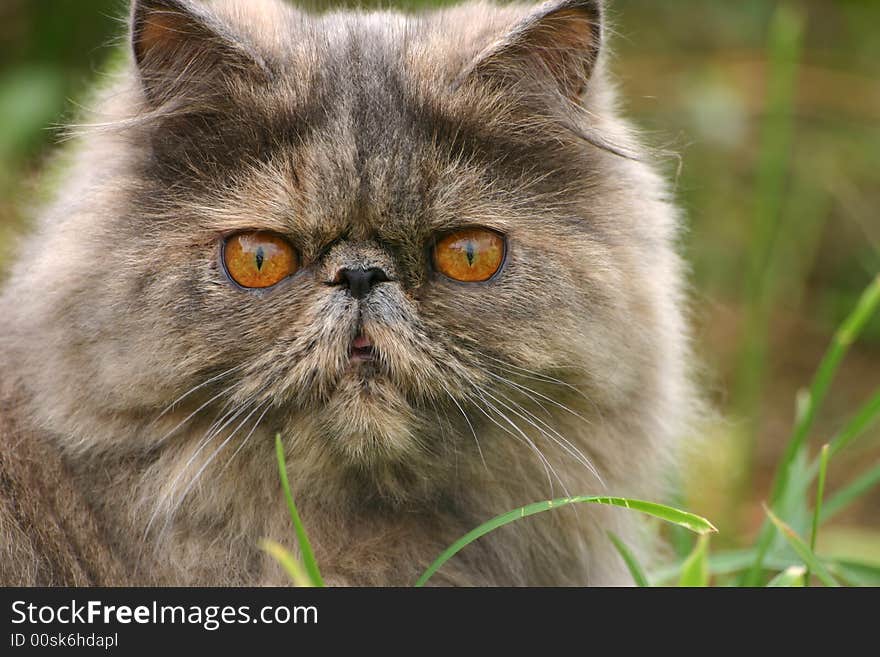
<point>159,386</point>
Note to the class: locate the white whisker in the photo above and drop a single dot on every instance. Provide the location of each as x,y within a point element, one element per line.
<point>194,389</point>
<point>548,467</point>
<point>470,426</point>
<point>530,391</point>
<point>566,445</point>
<point>209,435</point>
<point>189,417</point>
<point>268,405</point>
<point>195,478</point>
<point>532,374</point>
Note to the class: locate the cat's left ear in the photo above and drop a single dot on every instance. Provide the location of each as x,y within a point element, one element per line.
<point>559,42</point>
<point>181,43</point>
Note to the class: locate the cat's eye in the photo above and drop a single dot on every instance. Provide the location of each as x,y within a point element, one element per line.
<point>259,259</point>
<point>470,255</point>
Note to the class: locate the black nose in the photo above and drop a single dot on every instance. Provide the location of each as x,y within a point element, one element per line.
<point>360,281</point>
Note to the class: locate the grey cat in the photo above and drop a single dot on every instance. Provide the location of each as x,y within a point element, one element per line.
<point>424,249</point>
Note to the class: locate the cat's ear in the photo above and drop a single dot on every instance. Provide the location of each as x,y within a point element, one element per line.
<point>176,43</point>
<point>557,43</point>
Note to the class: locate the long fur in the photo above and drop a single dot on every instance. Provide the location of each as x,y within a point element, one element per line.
<point>359,136</point>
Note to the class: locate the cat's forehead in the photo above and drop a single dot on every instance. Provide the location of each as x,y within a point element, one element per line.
<point>361,131</point>
<point>368,51</point>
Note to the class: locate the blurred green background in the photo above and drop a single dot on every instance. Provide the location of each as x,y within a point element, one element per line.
<point>783,231</point>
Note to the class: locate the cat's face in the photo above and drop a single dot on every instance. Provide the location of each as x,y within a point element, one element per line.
<point>368,144</point>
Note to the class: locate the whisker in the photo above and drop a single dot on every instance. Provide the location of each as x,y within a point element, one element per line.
<point>470,426</point>
<point>530,391</point>
<point>539,376</point>
<point>525,373</point>
<point>216,429</point>
<point>528,443</point>
<point>547,465</point>
<point>209,435</point>
<point>443,433</point>
<point>551,433</point>
<point>227,414</point>
<point>192,390</point>
<point>268,405</point>
<point>211,458</point>
<point>189,417</point>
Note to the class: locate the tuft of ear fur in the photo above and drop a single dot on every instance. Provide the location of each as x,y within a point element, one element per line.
<point>558,42</point>
<point>178,43</point>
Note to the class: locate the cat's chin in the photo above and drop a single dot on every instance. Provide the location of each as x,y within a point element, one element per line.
<point>364,371</point>
<point>368,419</point>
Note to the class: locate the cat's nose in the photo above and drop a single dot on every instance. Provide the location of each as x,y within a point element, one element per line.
<point>360,281</point>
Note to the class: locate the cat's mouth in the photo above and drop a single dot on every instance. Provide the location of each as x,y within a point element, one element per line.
<point>361,349</point>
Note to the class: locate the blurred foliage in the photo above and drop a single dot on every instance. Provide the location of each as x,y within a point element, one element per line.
<point>693,76</point>
<point>51,49</point>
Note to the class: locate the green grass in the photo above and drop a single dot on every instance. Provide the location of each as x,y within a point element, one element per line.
<point>632,564</point>
<point>820,496</point>
<point>791,576</point>
<point>785,475</point>
<point>309,574</point>
<point>684,519</point>
<point>803,551</point>
<point>305,547</point>
<point>695,569</point>
<point>785,39</point>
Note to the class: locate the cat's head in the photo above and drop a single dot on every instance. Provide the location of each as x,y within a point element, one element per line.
<point>380,233</point>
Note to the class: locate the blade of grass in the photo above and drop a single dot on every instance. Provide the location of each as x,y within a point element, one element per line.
<point>311,565</point>
<point>791,576</point>
<point>720,563</point>
<point>803,550</point>
<point>784,45</point>
<point>728,562</point>
<point>681,518</point>
<point>680,539</point>
<point>774,158</point>
<point>795,505</point>
<point>855,572</point>
<point>290,564</point>
<point>820,494</point>
<point>843,339</point>
<point>861,421</point>
<point>817,511</point>
<point>840,345</point>
<point>695,570</point>
<point>850,493</point>
<point>629,559</point>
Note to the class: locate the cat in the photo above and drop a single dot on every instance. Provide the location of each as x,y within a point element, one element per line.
<point>425,250</point>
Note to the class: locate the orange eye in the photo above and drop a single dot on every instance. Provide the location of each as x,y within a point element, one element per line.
<point>259,259</point>
<point>470,255</point>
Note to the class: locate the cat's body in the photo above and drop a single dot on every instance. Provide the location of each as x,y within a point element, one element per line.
<point>158,385</point>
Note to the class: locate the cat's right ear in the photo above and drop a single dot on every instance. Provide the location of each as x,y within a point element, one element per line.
<point>557,45</point>
<point>180,44</point>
